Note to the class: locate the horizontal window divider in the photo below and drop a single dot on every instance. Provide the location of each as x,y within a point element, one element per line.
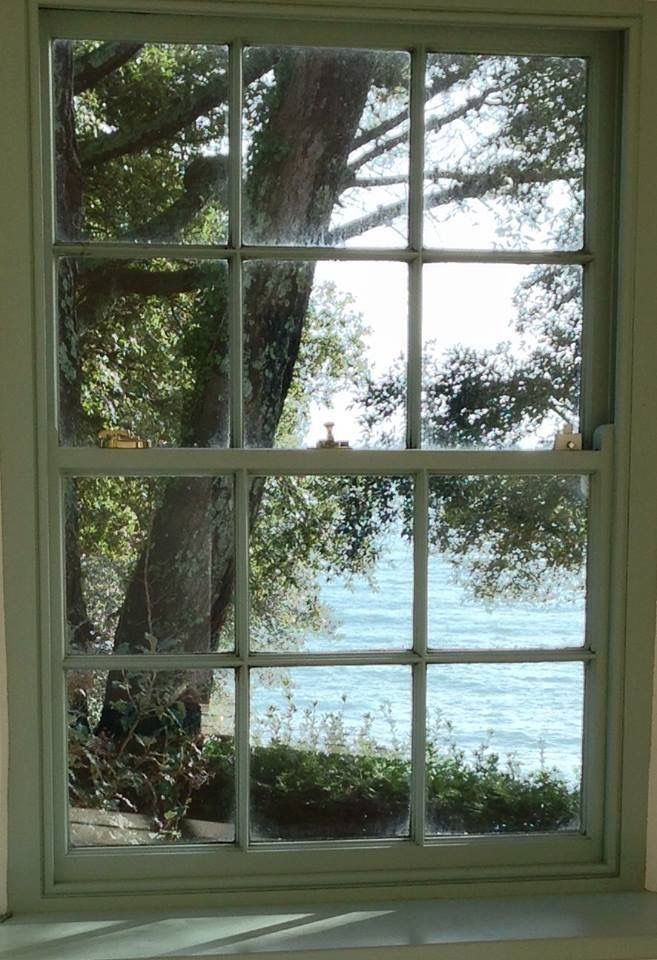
<point>519,655</point>
<point>151,661</point>
<point>218,661</point>
<point>508,256</point>
<point>402,254</point>
<point>185,461</point>
<point>536,842</point>
<point>118,250</point>
<point>299,846</point>
<point>430,840</point>
<point>330,659</point>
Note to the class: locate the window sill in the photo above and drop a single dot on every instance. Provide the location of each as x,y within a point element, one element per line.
<point>580,927</point>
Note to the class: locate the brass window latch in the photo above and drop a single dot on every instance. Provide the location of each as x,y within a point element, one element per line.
<point>121,440</point>
<point>329,442</point>
<point>567,440</point>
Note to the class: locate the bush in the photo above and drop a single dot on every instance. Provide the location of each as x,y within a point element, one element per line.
<point>298,792</point>
<point>486,796</point>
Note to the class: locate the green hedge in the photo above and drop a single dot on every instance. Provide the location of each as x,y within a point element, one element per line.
<point>298,792</point>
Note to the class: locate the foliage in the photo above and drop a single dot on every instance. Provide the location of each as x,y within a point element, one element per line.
<point>155,766</point>
<point>512,536</point>
<point>317,785</point>
<point>485,795</point>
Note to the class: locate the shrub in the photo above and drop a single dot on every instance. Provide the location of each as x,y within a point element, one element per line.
<point>301,791</point>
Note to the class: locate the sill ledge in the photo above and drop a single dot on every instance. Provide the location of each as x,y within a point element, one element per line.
<point>575,927</point>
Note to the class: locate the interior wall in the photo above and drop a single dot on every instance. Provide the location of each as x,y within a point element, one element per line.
<point>4,753</point>
<point>651,826</point>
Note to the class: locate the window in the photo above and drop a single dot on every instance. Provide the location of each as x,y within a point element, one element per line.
<point>326,600</point>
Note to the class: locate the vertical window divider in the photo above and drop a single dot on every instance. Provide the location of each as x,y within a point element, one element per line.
<point>420,643</point>
<point>241,729</point>
<point>235,239</point>
<point>414,428</point>
<point>415,224</point>
<point>241,721</point>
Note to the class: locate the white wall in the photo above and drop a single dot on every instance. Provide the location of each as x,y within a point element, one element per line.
<point>3,743</point>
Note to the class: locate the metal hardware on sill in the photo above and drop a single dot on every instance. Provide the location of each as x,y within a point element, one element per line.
<point>567,440</point>
<point>121,440</point>
<point>329,442</point>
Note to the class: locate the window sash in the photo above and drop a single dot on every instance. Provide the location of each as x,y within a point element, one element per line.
<point>591,653</point>
<point>567,854</point>
<point>596,254</point>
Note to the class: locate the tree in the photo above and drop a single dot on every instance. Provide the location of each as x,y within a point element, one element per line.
<point>140,140</point>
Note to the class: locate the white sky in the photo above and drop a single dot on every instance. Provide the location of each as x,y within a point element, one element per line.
<point>470,304</point>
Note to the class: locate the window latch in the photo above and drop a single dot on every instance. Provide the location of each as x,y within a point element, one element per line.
<point>329,442</point>
<point>121,440</point>
<point>567,440</point>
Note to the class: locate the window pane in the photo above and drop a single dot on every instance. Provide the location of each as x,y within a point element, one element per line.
<point>143,347</point>
<point>504,152</point>
<point>326,145</point>
<point>151,757</point>
<point>330,752</point>
<point>141,141</point>
<point>331,565</point>
<point>325,342</point>
<point>504,747</point>
<point>149,564</point>
<point>501,354</point>
<point>507,561</point>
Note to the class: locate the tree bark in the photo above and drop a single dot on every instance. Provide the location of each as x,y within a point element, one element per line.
<point>181,589</point>
<point>69,187</point>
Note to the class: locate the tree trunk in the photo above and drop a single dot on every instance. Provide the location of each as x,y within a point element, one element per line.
<point>68,205</point>
<point>181,589</point>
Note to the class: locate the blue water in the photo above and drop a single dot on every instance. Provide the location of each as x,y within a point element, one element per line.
<point>528,713</point>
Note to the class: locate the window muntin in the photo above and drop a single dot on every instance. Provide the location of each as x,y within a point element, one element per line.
<point>241,255</point>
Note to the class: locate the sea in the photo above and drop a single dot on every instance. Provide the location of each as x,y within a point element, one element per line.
<point>529,714</point>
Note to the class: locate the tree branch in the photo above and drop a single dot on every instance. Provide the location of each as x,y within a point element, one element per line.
<point>119,279</point>
<point>91,67</point>
<point>164,125</point>
<point>439,85</point>
<point>431,123</point>
<point>468,187</point>
<point>205,179</point>
<point>378,181</point>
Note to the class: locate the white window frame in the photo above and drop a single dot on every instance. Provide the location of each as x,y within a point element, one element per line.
<point>613,859</point>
